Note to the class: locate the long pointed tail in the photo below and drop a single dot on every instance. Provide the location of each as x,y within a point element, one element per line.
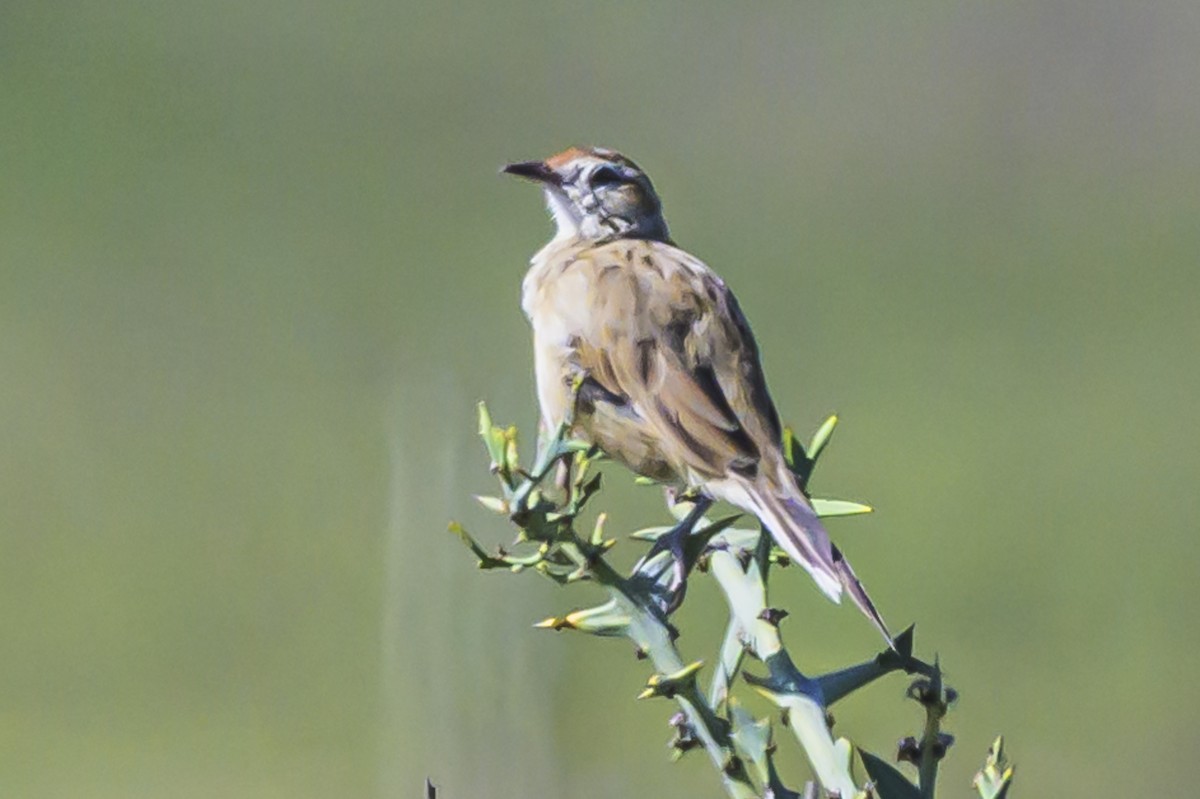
<point>799,532</point>
<point>858,593</point>
<point>797,529</point>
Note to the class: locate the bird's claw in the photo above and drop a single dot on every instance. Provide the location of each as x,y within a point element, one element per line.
<point>674,543</point>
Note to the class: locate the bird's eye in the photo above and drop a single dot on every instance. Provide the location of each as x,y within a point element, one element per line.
<point>605,176</point>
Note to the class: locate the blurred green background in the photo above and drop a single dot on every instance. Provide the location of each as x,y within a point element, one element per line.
<point>258,266</point>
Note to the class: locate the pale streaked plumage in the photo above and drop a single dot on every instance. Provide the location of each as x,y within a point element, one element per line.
<point>673,386</point>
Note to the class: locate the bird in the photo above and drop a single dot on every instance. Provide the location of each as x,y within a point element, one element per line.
<point>643,351</point>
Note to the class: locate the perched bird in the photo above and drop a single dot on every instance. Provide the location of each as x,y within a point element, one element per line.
<point>645,349</point>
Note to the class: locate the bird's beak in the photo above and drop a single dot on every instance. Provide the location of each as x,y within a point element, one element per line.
<point>534,170</point>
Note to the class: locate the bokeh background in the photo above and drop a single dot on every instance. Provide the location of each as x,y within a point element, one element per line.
<point>258,267</point>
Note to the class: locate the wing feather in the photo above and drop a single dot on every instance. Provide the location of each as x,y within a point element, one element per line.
<point>673,343</point>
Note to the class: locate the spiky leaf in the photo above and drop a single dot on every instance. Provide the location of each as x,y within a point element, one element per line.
<point>889,783</point>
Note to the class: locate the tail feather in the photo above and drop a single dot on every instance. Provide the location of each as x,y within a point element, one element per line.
<point>798,530</point>
<point>858,593</point>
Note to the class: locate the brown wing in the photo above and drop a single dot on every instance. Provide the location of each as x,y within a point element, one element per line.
<point>666,343</point>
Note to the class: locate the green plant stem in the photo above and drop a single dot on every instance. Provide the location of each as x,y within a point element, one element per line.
<point>928,769</point>
<point>649,632</point>
<point>745,592</point>
<point>933,695</point>
<point>839,684</point>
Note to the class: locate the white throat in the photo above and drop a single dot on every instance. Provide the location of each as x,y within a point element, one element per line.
<point>566,222</point>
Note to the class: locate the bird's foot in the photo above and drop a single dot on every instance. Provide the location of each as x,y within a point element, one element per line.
<point>674,543</point>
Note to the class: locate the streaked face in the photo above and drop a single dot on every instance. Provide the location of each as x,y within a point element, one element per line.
<point>597,195</point>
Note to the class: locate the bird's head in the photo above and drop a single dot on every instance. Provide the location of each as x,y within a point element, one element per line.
<point>597,195</point>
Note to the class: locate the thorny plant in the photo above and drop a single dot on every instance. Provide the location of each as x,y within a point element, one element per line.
<point>545,502</point>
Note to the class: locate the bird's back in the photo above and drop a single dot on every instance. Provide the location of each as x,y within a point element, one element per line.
<point>674,386</point>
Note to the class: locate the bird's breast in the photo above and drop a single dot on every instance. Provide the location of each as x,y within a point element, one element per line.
<point>556,304</point>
